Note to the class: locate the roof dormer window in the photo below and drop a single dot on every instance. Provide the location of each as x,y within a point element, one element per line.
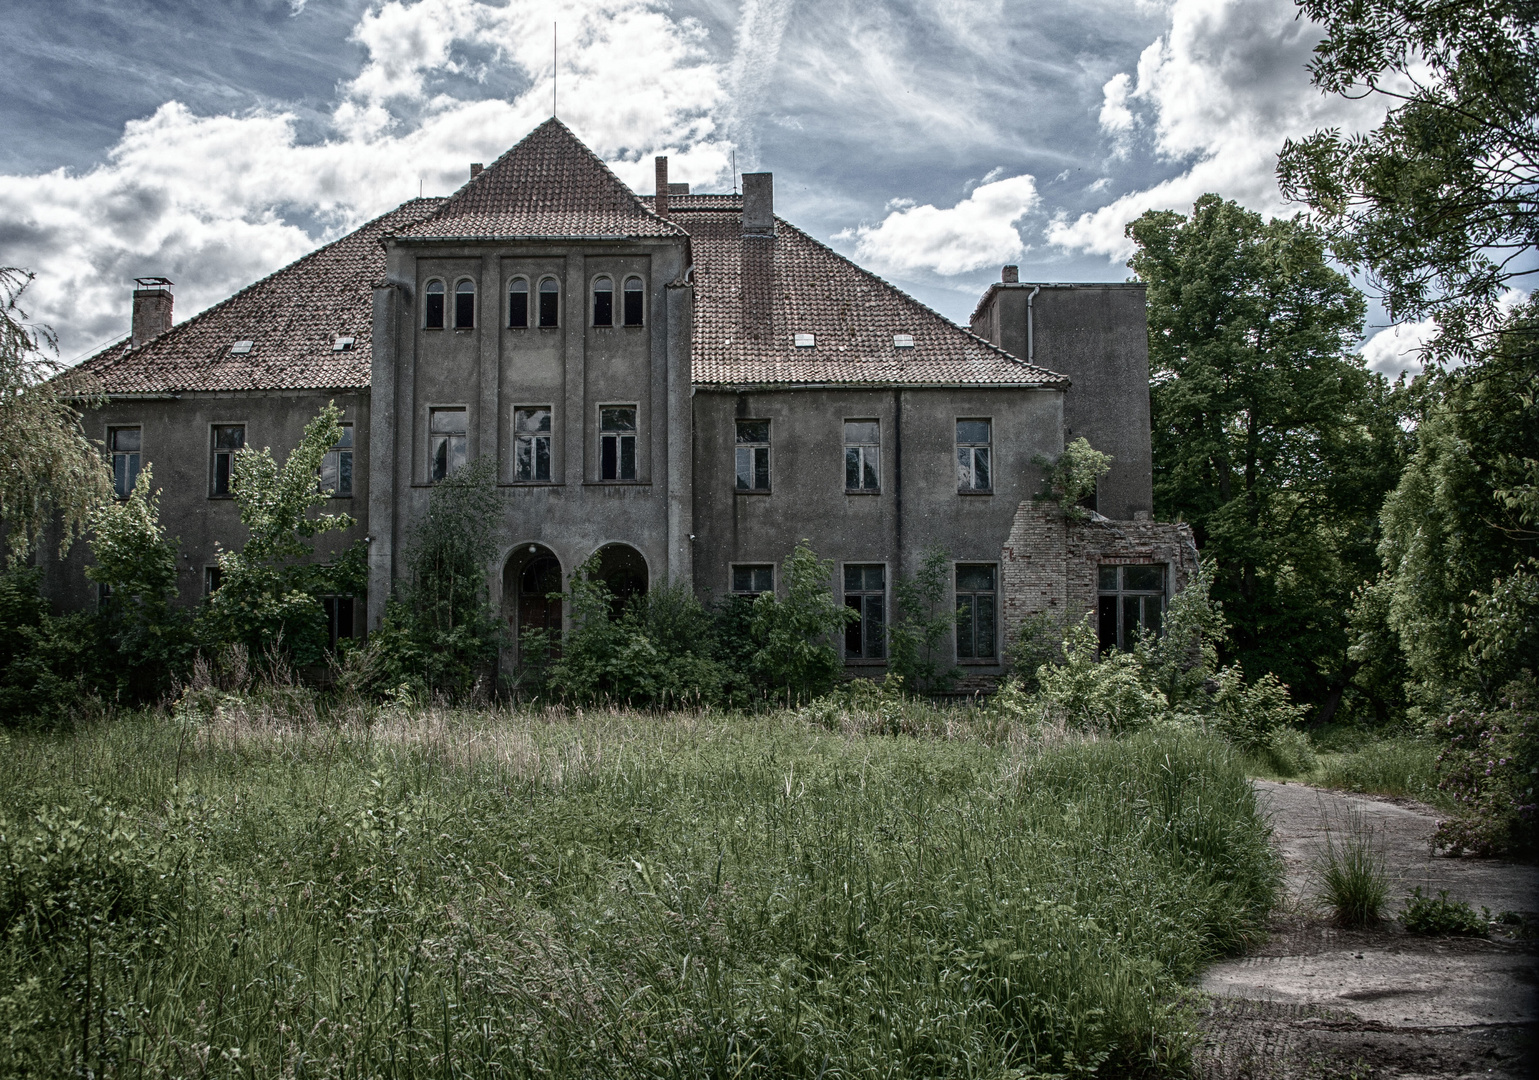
<point>433,306</point>
<point>603,302</point>
<point>465,305</point>
<point>903,341</point>
<point>240,348</point>
<point>804,341</point>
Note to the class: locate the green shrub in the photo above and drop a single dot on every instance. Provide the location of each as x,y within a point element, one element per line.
<point>794,656</point>
<point>1393,766</point>
<point>1038,640</point>
<point>1248,713</point>
<point>50,665</point>
<point>1442,916</point>
<point>1489,767</point>
<point>1353,881</point>
<point>1288,751</point>
<point>1071,477</point>
<point>1099,694</point>
<point>920,638</point>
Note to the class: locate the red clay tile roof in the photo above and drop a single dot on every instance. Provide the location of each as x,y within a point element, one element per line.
<point>749,338</point>
<point>550,184</point>
<point>292,318</point>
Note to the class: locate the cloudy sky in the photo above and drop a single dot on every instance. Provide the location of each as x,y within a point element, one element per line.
<point>212,142</point>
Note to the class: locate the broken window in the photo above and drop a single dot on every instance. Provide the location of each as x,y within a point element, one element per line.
<point>973,446</point>
<point>518,303</point>
<point>617,442</point>
<point>433,306</point>
<point>1131,600</point>
<point>124,444</point>
<point>976,607</point>
<point>550,302</point>
<point>339,617</point>
<point>633,301</point>
<point>446,441</point>
<point>603,302</point>
<point>337,466</point>
<point>228,440</point>
<point>212,577</point>
<point>865,593</point>
<point>862,455</point>
<point>465,305</point>
<point>753,455</point>
<point>531,444</point>
<point>751,579</point>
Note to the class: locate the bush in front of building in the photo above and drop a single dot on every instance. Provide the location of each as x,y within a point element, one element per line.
<point>1489,766</point>
<point>49,664</point>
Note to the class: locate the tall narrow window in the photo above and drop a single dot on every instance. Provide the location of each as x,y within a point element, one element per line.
<point>633,301</point>
<point>865,593</point>
<point>1131,600</point>
<point>446,441</point>
<point>213,577</point>
<point>465,305</point>
<point>337,466</point>
<point>753,446</point>
<point>617,442</point>
<point>518,303</point>
<point>751,579</point>
<point>228,440</point>
<point>433,306</point>
<point>973,472</point>
<point>603,302</point>
<point>531,444</point>
<point>862,455</point>
<point>550,302</point>
<point>124,443</point>
<point>339,617</point>
<point>976,607</point>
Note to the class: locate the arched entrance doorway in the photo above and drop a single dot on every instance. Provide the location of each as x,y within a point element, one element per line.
<point>532,573</point>
<point>622,568</point>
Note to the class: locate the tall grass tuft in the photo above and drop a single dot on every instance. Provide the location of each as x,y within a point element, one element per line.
<point>1353,880</point>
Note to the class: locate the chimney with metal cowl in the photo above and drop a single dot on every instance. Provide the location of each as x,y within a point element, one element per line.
<point>660,200</point>
<point>152,309</point>
<point>759,204</point>
<point>1010,275</point>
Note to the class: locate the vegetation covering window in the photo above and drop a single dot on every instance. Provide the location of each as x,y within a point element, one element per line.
<point>465,305</point>
<point>228,440</point>
<point>433,306</point>
<point>446,441</point>
<point>751,579</point>
<point>865,593</point>
<point>617,442</point>
<point>862,455</point>
<point>753,471</point>
<point>339,617</point>
<point>603,302</point>
<point>518,303</point>
<point>531,444</point>
<point>977,604</point>
<point>973,446</point>
<point>337,466</point>
<point>633,301</point>
<point>213,576</point>
<point>550,302</point>
<point>1132,598</point>
<point>124,443</point>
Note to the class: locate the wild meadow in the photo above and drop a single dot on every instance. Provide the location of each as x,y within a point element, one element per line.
<point>262,889</point>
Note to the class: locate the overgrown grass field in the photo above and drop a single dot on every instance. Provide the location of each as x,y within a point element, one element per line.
<point>435,893</point>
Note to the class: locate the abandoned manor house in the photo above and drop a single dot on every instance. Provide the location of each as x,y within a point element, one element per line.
<point>684,383</point>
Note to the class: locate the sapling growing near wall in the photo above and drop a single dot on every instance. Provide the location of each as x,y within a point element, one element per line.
<point>795,656</point>
<point>919,654</point>
<point>1071,477</point>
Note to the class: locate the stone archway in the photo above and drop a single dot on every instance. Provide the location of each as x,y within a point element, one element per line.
<point>531,574</point>
<point>624,570</point>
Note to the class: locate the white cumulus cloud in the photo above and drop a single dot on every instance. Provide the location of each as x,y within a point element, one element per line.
<point>978,231</point>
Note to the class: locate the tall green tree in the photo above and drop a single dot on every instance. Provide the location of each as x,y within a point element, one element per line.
<point>1269,435</point>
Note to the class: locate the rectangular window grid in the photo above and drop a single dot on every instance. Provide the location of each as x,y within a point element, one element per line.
<point>1132,599</point>
<point>617,442</point>
<point>227,441</point>
<point>976,613</point>
<point>531,444</point>
<point>865,593</point>
<point>753,579</point>
<point>125,444</point>
<point>862,455</point>
<point>753,455</point>
<point>446,441</point>
<point>337,466</point>
<point>973,446</point>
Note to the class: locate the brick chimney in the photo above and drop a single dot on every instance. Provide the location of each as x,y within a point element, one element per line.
<point>759,204</point>
<point>660,200</point>
<point>475,169</point>
<point>758,266</point>
<point>1010,275</point>
<point>152,309</point>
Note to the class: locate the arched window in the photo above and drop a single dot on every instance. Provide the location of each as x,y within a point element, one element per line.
<point>518,303</point>
<point>433,308</point>
<point>603,302</point>
<point>550,302</point>
<point>633,301</point>
<point>465,305</point>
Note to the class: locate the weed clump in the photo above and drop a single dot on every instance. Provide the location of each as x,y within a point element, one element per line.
<point>1353,880</point>
<point>1441,916</point>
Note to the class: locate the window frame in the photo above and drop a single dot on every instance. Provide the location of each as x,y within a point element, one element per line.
<point>594,293</point>
<point>121,491</point>
<point>733,568</point>
<point>534,437</point>
<point>432,450</point>
<point>971,449</point>
<point>619,435</point>
<point>215,453</point>
<point>753,449</point>
<point>213,577</point>
<point>957,593</point>
<point>866,594</point>
<point>625,301</point>
<point>331,603</point>
<point>542,292</point>
<point>459,291</point>
<point>340,452</point>
<point>867,451</point>
<point>427,304</point>
<point>512,291</point>
<point>1122,641</point>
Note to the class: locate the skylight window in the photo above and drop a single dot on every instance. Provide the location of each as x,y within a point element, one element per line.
<point>903,341</point>
<point>342,344</point>
<point>804,341</point>
<point>242,347</point>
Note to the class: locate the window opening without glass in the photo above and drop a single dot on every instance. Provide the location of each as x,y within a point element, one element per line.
<point>124,443</point>
<point>633,301</point>
<point>976,607</point>
<point>603,302</point>
<point>339,617</point>
<point>433,306</point>
<point>518,303</point>
<point>751,579</point>
<point>446,441</point>
<point>465,305</point>
<point>1132,599</point>
<point>337,466</point>
<point>865,593</point>
<point>753,463</point>
<point>212,577</point>
<point>862,455</point>
<point>227,440</point>
<point>973,445</point>
<point>617,442</point>
<point>531,444</point>
<point>550,302</point>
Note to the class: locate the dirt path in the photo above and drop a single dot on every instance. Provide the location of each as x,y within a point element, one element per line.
<point>1316,1001</point>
